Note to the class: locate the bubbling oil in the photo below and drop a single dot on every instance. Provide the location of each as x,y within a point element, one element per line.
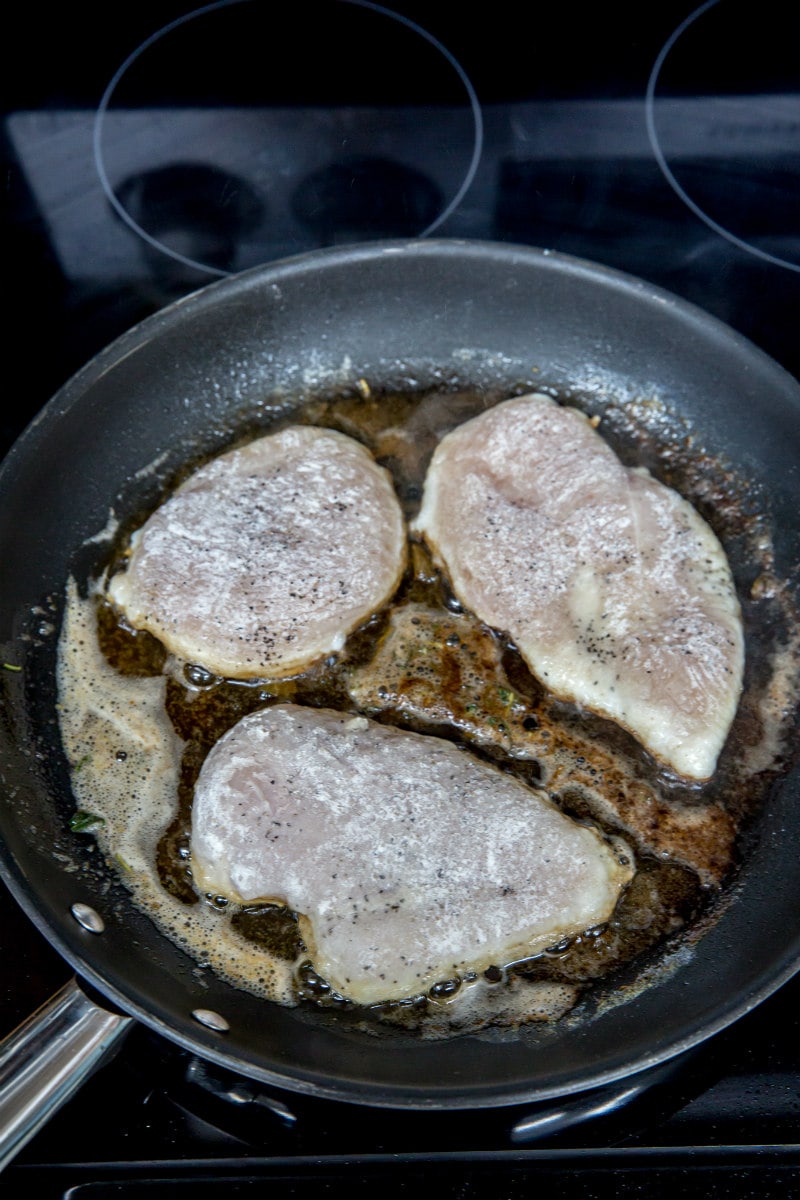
<point>137,724</point>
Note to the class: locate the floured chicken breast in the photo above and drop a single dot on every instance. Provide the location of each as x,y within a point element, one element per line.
<point>616,592</point>
<point>410,861</point>
<point>266,558</point>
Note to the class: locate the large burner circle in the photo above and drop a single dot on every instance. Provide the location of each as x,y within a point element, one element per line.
<point>240,132</point>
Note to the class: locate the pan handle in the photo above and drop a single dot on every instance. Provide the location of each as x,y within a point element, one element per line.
<point>47,1058</point>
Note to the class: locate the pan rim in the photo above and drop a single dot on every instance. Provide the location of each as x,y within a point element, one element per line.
<point>309,263</point>
<point>400,1097</point>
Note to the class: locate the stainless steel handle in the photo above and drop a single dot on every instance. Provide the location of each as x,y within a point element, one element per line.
<point>47,1058</point>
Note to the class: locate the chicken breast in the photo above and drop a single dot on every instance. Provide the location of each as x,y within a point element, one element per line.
<point>410,861</point>
<point>616,592</point>
<point>266,558</point>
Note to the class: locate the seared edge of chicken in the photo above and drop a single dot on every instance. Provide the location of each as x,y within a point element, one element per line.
<point>617,593</point>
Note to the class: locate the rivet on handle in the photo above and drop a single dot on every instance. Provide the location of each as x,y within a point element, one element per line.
<point>213,1020</point>
<point>88,918</point>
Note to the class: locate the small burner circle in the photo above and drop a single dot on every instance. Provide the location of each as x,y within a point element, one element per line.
<point>656,143</point>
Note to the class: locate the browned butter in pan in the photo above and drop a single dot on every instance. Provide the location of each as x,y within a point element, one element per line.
<point>137,724</point>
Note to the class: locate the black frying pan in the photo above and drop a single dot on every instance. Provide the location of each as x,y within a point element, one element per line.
<point>402,315</point>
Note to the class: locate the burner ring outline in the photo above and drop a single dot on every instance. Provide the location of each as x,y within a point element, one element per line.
<point>105,100</point>
<point>655,145</point>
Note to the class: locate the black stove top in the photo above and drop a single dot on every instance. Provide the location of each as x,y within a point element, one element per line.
<point>151,149</point>
<point>157,1120</point>
<point>721,1120</point>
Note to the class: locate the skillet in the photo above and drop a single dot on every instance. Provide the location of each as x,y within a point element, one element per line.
<point>404,316</point>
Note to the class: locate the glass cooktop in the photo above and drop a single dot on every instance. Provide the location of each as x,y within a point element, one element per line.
<point>152,148</point>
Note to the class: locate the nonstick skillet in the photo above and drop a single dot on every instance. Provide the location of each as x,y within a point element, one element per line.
<point>403,316</point>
